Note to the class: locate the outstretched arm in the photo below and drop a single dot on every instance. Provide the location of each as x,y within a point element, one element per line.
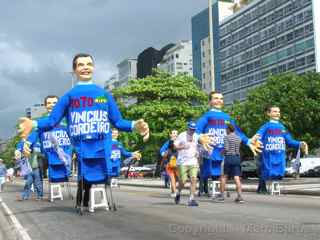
<point>116,119</point>
<point>296,144</point>
<point>59,111</point>
<point>254,143</point>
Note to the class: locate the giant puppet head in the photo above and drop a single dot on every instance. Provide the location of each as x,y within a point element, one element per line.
<point>83,66</point>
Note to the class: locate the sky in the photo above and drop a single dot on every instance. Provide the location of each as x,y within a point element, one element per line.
<point>38,40</point>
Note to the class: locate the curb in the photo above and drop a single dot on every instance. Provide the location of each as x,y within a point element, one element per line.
<point>283,191</point>
<point>244,189</point>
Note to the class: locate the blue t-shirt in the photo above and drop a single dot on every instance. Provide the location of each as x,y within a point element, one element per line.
<point>89,110</point>
<point>274,137</point>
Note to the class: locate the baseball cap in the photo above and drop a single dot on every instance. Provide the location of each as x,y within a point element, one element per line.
<point>192,125</point>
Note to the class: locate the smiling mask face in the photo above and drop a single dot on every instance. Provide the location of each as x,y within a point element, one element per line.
<point>84,68</point>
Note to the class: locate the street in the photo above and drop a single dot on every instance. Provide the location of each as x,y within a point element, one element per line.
<point>149,213</point>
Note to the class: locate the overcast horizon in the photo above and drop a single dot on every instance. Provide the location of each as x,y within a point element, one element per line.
<point>38,40</point>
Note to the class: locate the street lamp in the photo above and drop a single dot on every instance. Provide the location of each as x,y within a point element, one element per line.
<point>72,78</point>
<point>211,71</point>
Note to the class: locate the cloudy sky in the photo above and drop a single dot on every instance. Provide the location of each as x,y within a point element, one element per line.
<point>39,38</point>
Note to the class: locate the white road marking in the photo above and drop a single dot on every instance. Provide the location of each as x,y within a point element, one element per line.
<point>21,230</point>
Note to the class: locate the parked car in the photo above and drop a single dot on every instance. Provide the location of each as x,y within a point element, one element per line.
<point>315,172</point>
<point>307,164</point>
<point>249,169</point>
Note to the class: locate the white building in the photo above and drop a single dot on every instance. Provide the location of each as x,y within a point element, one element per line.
<point>127,69</point>
<point>178,59</point>
<point>226,9</point>
<point>36,111</point>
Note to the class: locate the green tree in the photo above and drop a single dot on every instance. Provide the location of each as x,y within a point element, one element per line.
<point>298,98</point>
<point>8,154</point>
<point>166,102</point>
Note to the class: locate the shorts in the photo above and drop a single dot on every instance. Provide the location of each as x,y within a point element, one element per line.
<point>172,171</point>
<point>2,180</point>
<point>185,170</point>
<point>232,166</point>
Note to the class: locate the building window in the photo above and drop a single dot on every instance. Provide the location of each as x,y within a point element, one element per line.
<point>311,59</point>
<point>300,47</point>
<point>177,55</point>
<point>298,33</point>
<point>300,62</point>
<point>291,65</point>
<point>309,28</point>
<point>299,18</point>
<point>307,14</point>
<point>282,68</point>
<point>289,37</point>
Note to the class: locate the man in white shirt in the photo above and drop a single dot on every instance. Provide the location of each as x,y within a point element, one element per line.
<point>187,162</point>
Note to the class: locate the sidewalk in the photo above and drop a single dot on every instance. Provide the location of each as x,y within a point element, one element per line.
<point>302,186</point>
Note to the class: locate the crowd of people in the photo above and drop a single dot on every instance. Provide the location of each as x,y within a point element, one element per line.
<point>85,121</point>
<point>210,148</point>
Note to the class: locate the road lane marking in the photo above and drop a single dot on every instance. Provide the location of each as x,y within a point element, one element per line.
<point>21,230</point>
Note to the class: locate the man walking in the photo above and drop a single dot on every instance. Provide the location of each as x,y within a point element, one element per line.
<point>187,162</point>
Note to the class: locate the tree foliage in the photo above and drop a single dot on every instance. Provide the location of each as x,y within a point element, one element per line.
<point>166,102</point>
<point>298,98</point>
<point>8,154</point>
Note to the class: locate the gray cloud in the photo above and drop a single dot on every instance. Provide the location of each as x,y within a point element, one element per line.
<point>39,38</point>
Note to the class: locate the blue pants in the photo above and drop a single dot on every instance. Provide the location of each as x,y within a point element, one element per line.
<point>33,178</point>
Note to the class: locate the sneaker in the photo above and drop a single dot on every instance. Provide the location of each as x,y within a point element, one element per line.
<point>86,209</point>
<point>21,199</point>
<point>193,203</point>
<point>173,195</point>
<point>177,198</point>
<point>239,199</point>
<point>219,198</point>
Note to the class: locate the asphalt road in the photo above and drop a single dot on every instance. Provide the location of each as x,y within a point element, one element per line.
<point>146,213</point>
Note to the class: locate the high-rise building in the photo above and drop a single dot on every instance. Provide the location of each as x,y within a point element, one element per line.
<point>149,59</point>
<point>201,51</point>
<point>263,38</point>
<point>266,37</point>
<point>127,69</point>
<point>178,59</point>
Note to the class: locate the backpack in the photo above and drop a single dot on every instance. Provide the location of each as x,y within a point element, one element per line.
<point>172,161</point>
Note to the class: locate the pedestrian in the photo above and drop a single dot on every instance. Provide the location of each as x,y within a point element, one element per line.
<point>10,174</point>
<point>232,166</point>
<point>23,164</point>
<point>32,152</point>
<point>210,132</point>
<point>89,111</point>
<point>3,173</point>
<point>187,162</point>
<point>169,154</point>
